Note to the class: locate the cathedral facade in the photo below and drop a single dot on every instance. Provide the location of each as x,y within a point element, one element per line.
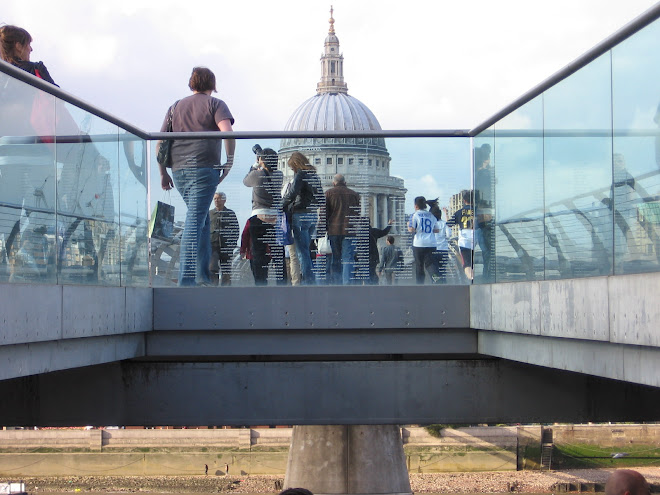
<point>364,161</point>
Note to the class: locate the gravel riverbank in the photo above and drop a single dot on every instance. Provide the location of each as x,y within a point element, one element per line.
<point>484,482</point>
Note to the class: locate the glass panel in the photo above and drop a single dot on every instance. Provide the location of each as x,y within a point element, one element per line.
<point>87,198</point>
<point>133,210</point>
<point>635,195</point>
<point>386,174</point>
<point>519,157</point>
<point>484,204</point>
<point>578,173</point>
<point>27,183</point>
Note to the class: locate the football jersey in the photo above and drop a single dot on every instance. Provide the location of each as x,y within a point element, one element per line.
<point>424,223</point>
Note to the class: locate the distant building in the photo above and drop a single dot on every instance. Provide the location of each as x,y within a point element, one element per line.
<point>365,162</point>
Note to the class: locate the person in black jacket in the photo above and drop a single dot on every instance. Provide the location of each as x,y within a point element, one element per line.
<point>302,203</point>
<point>15,48</point>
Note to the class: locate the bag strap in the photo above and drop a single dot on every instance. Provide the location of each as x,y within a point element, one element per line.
<point>170,116</point>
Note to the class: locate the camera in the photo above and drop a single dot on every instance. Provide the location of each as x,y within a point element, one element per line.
<point>256,149</point>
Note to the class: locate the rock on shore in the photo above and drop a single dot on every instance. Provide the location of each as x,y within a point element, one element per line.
<point>484,482</point>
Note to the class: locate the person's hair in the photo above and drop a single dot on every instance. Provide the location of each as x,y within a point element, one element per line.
<point>299,162</point>
<point>435,210</point>
<point>420,202</point>
<point>269,156</point>
<point>390,239</point>
<point>339,180</point>
<point>202,79</point>
<point>9,36</point>
<point>296,491</point>
<point>481,154</point>
<point>221,194</point>
<point>466,194</point>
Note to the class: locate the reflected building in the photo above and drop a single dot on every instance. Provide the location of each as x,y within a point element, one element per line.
<point>365,162</point>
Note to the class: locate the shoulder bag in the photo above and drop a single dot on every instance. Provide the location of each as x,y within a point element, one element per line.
<point>164,156</point>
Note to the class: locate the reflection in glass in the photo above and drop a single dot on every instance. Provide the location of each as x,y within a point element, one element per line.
<point>133,210</point>
<point>27,183</point>
<point>86,150</point>
<point>578,173</point>
<point>484,201</point>
<point>520,234</point>
<point>635,194</point>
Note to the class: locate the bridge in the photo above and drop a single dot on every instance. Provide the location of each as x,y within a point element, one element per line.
<point>559,324</point>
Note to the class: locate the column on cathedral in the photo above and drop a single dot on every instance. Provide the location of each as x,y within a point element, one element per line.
<point>390,212</point>
<point>386,209</point>
<point>378,221</point>
<point>374,210</point>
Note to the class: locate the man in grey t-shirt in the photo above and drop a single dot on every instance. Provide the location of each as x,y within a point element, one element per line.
<point>197,169</point>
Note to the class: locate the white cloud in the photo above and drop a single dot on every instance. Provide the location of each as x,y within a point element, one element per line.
<point>416,64</point>
<point>94,53</point>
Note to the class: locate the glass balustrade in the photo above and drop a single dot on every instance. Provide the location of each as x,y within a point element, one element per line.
<point>574,173</point>
<point>565,185</point>
<point>387,173</point>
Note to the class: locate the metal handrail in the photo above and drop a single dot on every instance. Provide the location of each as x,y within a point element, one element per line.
<point>460,133</point>
<point>38,83</point>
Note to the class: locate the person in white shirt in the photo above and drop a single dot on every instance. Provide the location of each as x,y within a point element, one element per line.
<point>441,253</point>
<point>424,225</point>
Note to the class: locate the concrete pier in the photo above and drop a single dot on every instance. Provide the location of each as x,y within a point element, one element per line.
<point>347,459</point>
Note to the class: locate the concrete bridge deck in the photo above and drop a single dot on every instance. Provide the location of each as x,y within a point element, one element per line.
<point>566,350</point>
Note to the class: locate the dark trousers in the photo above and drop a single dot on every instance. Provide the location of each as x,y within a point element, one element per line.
<point>264,249</point>
<point>220,265</point>
<point>424,259</point>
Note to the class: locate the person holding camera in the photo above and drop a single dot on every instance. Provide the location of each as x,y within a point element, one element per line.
<point>266,183</point>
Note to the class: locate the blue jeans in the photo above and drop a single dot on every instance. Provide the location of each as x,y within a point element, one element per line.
<point>334,272</point>
<point>196,186</point>
<point>304,227</point>
<point>348,248</point>
<point>343,258</point>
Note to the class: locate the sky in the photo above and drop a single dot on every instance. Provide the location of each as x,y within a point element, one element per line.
<point>417,65</point>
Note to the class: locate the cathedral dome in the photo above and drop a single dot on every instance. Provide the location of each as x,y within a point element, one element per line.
<point>333,109</point>
<point>363,160</point>
<point>332,112</point>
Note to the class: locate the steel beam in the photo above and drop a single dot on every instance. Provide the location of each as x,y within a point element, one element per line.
<point>346,392</point>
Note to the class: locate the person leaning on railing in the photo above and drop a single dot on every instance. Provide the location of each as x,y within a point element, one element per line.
<point>197,170</point>
<point>15,48</point>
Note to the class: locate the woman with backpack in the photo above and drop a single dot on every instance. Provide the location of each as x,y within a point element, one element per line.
<point>302,203</point>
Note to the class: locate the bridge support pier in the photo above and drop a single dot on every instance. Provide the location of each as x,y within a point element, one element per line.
<point>347,459</point>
